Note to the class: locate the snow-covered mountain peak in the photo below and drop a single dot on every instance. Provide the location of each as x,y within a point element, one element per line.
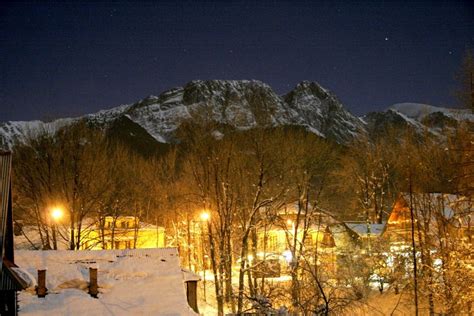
<point>311,87</point>
<point>420,117</point>
<point>419,111</point>
<point>316,104</point>
<point>242,104</point>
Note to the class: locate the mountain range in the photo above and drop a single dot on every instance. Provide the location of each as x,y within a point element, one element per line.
<point>247,104</point>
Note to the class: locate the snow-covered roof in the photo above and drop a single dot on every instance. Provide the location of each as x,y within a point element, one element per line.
<point>293,208</point>
<point>455,208</point>
<point>362,229</point>
<point>189,275</point>
<point>92,223</point>
<point>133,281</point>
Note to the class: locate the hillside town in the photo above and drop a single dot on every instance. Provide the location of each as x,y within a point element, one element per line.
<point>287,246</point>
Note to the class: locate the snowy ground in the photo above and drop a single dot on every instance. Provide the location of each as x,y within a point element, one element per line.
<point>387,303</point>
<point>131,282</point>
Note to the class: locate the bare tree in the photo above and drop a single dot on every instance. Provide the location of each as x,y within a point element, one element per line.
<point>465,77</point>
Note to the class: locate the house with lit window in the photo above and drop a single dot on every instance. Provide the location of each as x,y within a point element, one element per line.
<point>123,232</point>
<point>434,215</point>
<point>321,232</point>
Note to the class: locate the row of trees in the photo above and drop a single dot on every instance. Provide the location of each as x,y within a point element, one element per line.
<point>79,170</point>
<point>243,179</point>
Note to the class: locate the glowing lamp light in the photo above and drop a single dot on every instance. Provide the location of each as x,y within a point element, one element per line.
<point>56,213</point>
<point>205,216</point>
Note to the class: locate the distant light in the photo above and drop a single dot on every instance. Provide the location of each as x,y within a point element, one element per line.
<point>289,222</point>
<point>56,213</point>
<point>205,216</point>
<point>386,38</point>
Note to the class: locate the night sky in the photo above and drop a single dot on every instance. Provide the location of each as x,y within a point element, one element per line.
<point>70,59</point>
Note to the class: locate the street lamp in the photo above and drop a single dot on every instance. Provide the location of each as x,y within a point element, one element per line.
<point>56,214</point>
<point>205,216</point>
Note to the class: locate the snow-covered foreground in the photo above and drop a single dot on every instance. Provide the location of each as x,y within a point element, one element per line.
<point>389,303</point>
<point>377,304</point>
<point>131,282</point>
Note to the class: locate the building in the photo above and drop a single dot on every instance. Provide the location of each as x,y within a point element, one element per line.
<point>10,279</point>
<point>325,238</point>
<point>435,215</point>
<point>130,282</point>
<point>123,232</point>
<point>367,233</point>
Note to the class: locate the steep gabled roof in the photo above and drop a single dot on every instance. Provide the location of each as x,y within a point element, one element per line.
<point>457,210</point>
<point>363,229</point>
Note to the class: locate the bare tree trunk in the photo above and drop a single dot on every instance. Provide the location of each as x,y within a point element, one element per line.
<point>243,260</point>
<point>188,241</point>
<point>253,285</point>
<point>79,233</point>
<point>136,228</point>
<point>228,268</point>
<point>102,230</point>
<point>112,234</point>
<point>217,281</point>
<point>71,228</point>
<point>413,242</point>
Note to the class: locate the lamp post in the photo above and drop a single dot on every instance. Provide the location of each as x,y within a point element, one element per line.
<point>205,216</point>
<point>56,215</point>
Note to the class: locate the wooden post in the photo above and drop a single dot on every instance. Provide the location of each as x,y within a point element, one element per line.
<point>41,289</point>
<point>93,286</point>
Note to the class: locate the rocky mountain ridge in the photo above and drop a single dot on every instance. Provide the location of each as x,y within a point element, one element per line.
<point>246,104</point>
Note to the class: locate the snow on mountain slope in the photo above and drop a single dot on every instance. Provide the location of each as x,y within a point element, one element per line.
<point>242,104</point>
<point>420,117</point>
<point>14,131</point>
<point>419,111</point>
<point>18,131</point>
<point>107,116</point>
<point>245,104</point>
<point>320,110</point>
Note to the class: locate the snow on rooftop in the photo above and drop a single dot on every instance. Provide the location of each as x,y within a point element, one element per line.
<point>362,229</point>
<point>131,282</point>
<point>455,208</point>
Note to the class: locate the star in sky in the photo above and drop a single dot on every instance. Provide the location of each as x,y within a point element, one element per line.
<point>56,51</point>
